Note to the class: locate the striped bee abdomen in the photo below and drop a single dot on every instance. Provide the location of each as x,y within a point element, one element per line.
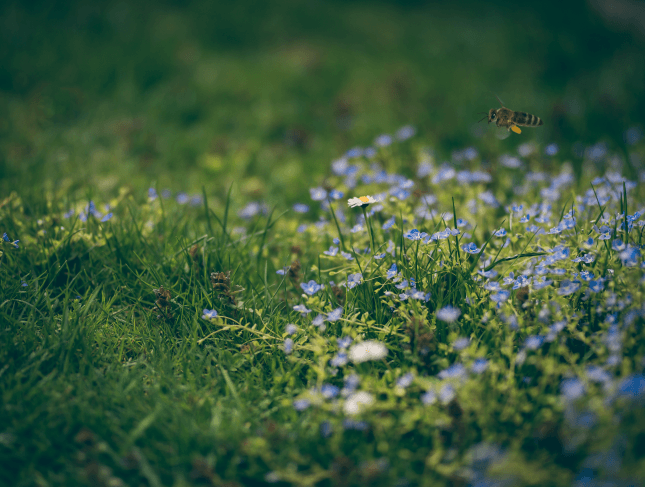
<point>526,119</point>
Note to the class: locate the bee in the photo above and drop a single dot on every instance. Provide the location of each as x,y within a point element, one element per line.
<point>505,117</point>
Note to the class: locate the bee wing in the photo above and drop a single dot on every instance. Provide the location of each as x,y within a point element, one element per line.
<point>516,129</point>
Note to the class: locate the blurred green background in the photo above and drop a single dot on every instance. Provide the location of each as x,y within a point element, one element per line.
<point>266,94</point>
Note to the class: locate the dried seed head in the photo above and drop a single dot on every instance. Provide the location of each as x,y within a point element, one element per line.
<point>221,281</point>
<point>339,292</point>
<point>194,252</point>
<point>163,297</point>
<point>294,270</point>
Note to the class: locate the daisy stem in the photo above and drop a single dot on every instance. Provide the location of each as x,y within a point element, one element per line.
<point>340,234</point>
<point>369,229</point>
<point>454,218</point>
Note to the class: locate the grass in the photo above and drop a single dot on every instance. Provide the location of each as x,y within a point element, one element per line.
<point>170,317</point>
<point>112,374</point>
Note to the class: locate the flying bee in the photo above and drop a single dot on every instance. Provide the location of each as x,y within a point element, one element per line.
<point>505,117</point>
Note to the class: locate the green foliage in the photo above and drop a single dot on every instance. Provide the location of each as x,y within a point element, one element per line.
<point>151,336</point>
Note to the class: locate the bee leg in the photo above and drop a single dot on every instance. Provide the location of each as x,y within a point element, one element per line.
<point>515,129</point>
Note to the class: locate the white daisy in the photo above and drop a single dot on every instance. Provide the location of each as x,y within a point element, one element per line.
<point>367,350</point>
<point>361,201</point>
<point>357,402</point>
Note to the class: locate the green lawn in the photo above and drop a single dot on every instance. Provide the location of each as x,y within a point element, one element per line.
<point>187,298</point>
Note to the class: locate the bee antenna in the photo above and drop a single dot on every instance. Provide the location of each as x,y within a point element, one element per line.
<point>500,101</point>
<point>483,118</point>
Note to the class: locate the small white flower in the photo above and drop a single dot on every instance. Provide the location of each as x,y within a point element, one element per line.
<point>449,314</point>
<point>367,350</point>
<point>361,201</point>
<point>357,402</point>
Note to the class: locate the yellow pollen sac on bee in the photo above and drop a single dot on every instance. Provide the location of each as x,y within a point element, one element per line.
<point>516,129</point>
<point>364,199</point>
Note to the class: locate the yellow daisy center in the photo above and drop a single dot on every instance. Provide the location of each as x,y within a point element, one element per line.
<point>364,199</point>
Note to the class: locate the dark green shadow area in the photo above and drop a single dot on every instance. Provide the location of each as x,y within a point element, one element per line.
<point>266,94</point>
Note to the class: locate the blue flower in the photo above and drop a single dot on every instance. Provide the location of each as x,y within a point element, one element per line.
<point>598,374</point>
<point>182,198</point>
<point>335,314</point>
<point>572,388</point>
<point>383,140</point>
<point>405,132</point>
<point>416,294</point>
<point>461,343</point>
<point>331,252</point>
<point>344,342</point>
<point>250,210</point>
<point>301,404</point>
<point>347,255</point>
<point>352,381</point>
<point>500,233</point>
<point>617,245</point>
<point>414,234</point>
<point>551,149</point>
<point>318,194</point>
<point>445,173</point>
<point>596,286</point>
<point>568,287</point>
<point>106,217</point>
<point>400,193</point>
<point>329,391</point>
<point>479,365</point>
<point>534,342</point>
<point>152,194</point>
<point>629,256</point>
<point>403,284</point>
<point>300,208</point>
<point>352,424</point>
<point>389,224</point>
<point>405,380</point>
<point>311,288</point>
<point>339,360</point>
<point>470,248</point>
<point>500,296</point>
<point>335,194</point>
<point>291,329</point>
<point>302,309</point>
<point>425,169</point>
<point>428,398</point>
<point>632,135</point>
<point>447,394</point>
<point>209,314</point>
<point>489,199</point>
<point>288,346</point>
<point>319,321</point>
<point>541,283</point>
<point>354,279</point>
<point>449,314</point>
<point>633,386</point>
